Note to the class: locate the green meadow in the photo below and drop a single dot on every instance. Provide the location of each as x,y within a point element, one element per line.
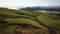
<point>33,18</point>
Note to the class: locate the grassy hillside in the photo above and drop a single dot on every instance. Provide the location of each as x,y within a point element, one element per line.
<point>11,16</point>
<point>51,20</point>
<point>34,18</point>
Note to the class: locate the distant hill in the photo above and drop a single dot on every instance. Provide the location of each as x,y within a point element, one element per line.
<point>52,8</point>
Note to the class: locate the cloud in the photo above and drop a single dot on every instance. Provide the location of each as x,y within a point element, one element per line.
<point>16,3</point>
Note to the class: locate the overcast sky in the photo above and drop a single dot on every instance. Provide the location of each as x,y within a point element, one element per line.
<point>16,3</point>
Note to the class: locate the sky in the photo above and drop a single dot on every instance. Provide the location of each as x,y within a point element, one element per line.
<point>20,3</point>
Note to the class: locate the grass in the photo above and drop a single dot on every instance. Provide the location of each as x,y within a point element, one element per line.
<point>48,20</point>
<point>11,13</point>
<point>11,16</point>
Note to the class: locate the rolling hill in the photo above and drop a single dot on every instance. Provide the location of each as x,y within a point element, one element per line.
<point>9,19</point>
